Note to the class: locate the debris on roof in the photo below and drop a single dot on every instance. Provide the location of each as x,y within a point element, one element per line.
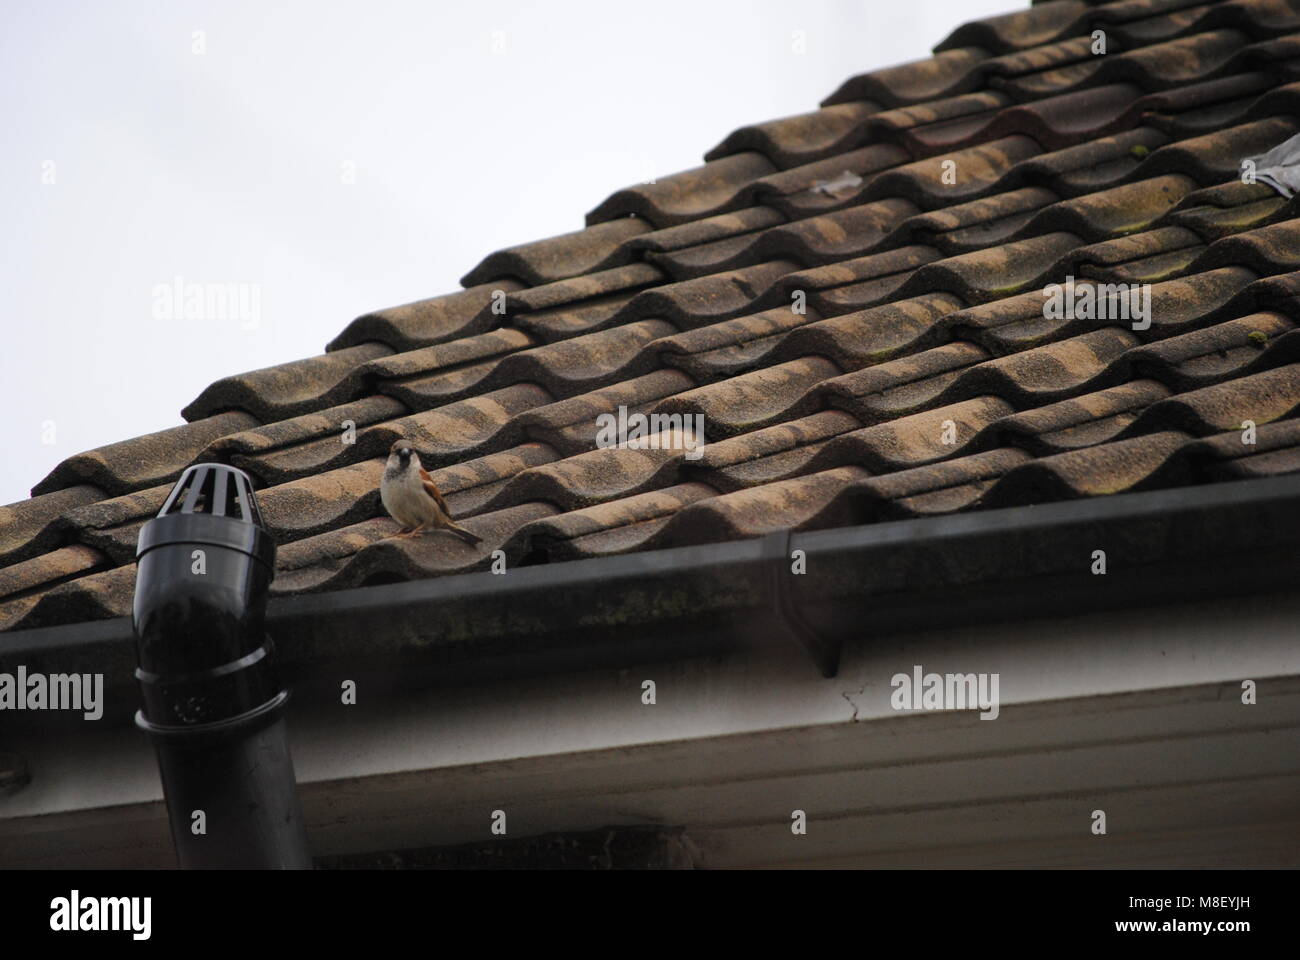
<point>1279,167</point>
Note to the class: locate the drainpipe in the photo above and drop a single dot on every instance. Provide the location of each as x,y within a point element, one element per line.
<point>213,704</point>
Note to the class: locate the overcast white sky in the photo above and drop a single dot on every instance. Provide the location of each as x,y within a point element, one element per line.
<point>137,151</point>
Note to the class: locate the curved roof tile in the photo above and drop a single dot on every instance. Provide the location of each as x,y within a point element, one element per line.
<point>851,299</point>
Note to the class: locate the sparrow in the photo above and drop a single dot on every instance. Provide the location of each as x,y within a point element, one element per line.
<point>412,498</point>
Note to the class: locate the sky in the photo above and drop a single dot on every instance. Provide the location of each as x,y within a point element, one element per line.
<point>312,162</point>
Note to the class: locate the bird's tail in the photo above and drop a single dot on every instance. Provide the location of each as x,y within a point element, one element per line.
<point>464,534</point>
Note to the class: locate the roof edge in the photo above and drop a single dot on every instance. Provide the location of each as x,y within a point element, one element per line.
<point>1166,546</point>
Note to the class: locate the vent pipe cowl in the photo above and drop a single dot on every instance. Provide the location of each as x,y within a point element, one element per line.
<point>213,704</point>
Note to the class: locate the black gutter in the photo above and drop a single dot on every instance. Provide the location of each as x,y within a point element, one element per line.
<point>954,571</point>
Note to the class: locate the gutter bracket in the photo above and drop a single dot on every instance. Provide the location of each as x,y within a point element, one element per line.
<point>825,651</point>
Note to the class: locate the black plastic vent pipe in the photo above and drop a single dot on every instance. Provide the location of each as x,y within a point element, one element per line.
<point>212,702</point>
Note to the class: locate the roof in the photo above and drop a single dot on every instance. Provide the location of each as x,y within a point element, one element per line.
<point>923,378</point>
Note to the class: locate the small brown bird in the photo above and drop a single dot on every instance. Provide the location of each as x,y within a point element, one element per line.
<point>412,498</point>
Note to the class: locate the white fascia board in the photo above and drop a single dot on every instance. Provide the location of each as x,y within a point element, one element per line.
<point>1138,712</point>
